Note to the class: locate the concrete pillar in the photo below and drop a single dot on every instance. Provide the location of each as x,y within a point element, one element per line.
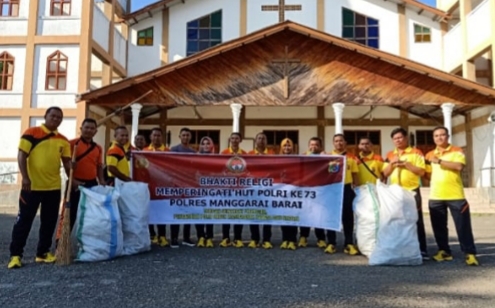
<point>338,111</point>
<point>236,114</point>
<point>136,109</point>
<point>447,109</point>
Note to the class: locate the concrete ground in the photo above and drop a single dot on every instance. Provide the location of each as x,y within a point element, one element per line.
<point>192,277</point>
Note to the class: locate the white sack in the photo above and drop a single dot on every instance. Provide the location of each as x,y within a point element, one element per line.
<point>134,206</point>
<point>98,225</point>
<point>367,213</point>
<point>397,239</point>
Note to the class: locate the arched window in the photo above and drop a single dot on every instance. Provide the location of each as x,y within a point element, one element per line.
<point>9,8</point>
<point>6,71</point>
<point>60,7</point>
<point>56,71</point>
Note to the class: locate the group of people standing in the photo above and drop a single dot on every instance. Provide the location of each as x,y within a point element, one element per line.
<point>43,148</point>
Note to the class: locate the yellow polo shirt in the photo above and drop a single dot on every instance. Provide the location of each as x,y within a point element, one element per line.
<point>445,184</point>
<point>401,176</point>
<point>161,148</point>
<point>45,149</point>
<point>351,166</point>
<point>265,152</point>
<point>230,151</point>
<point>374,163</point>
<point>116,156</point>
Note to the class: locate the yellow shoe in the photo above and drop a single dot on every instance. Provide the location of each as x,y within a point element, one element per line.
<point>252,244</point>
<point>267,245</point>
<point>351,250</point>
<point>303,242</point>
<point>154,240</point>
<point>330,249</point>
<point>209,243</point>
<point>471,260</point>
<point>15,262</point>
<point>321,244</point>
<point>238,244</point>
<point>225,243</point>
<point>284,245</point>
<point>46,258</point>
<point>201,242</point>
<point>291,246</point>
<point>442,256</point>
<point>163,241</point>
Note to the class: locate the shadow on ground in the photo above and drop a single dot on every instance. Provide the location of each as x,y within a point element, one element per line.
<point>229,277</point>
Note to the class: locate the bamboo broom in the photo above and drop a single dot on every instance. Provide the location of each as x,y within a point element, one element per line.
<point>64,249</point>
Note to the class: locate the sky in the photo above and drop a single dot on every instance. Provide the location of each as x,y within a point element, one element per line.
<point>137,4</point>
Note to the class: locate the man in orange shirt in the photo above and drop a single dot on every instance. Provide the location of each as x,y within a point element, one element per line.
<point>157,145</point>
<point>88,169</point>
<point>261,149</point>
<point>350,181</point>
<point>41,149</point>
<point>233,149</point>
<point>405,166</point>
<point>443,167</point>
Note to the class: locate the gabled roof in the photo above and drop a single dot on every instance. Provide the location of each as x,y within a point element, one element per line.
<point>163,4</point>
<point>357,75</point>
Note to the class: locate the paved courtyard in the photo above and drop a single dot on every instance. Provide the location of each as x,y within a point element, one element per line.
<point>192,277</point>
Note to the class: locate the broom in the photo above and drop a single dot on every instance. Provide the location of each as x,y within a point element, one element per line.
<point>63,253</point>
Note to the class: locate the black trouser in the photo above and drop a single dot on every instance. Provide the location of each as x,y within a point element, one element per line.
<point>420,224</point>
<point>200,231</point>
<point>237,232</point>
<point>459,209</point>
<point>29,203</point>
<point>255,233</point>
<point>347,219</point>
<point>161,230</point>
<point>289,233</point>
<point>75,196</point>
<point>186,232</point>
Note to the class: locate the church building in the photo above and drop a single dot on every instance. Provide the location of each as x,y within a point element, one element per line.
<point>288,68</point>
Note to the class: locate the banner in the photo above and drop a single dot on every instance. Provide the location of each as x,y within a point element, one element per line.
<point>250,189</point>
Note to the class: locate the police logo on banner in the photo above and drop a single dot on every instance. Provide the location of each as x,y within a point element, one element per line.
<point>334,167</point>
<point>236,164</point>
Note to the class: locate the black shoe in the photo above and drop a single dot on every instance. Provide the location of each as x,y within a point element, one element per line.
<point>425,256</point>
<point>188,242</point>
<point>175,243</point>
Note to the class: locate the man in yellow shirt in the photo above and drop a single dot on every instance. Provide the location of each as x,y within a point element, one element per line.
<point>350,181</point>
<point>40,151</point>
<point>117,157</point>
<point>405,166</point>
<point>443,167</point>
<point>370,164</point>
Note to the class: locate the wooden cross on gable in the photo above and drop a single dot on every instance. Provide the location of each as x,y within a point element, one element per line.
<point>286,62</point>
<point>281,8</point>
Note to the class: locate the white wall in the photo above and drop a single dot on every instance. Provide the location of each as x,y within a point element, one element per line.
<point>10,133</point>
<point>145,58</point>
<point>452,48</point>
<point>16,26</point>
<point>13,98</point>
<point>43,98</point>
<point>258,19</point>
<point>478,25</point>
<point>384,11</point>
<point>181,14</point>
<point>429,53</point>
<point>212,112</point>
<point>59,25</point>
<point>356,112</point>
<point>101,27</point>
<point>291,112</point>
